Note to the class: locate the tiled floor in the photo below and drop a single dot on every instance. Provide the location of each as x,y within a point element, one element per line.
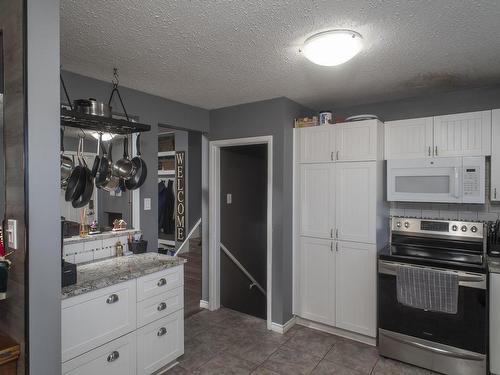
<point>192,278</point>
<point>227,342</point>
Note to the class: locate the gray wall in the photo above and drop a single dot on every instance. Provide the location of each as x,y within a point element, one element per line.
<point>432,104</point>
<point>194,177</point>
<point>151,110</point>
<point>43,187</point>
<point>270,117</point>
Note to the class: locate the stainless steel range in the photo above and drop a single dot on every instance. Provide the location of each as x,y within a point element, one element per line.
<point>432,306</point>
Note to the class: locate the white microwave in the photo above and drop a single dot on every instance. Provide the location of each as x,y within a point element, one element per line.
<point>447,180</point>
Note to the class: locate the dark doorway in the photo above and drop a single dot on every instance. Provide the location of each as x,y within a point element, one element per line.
<point>243,227</point>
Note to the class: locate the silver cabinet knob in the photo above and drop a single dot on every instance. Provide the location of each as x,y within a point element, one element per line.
<point>161,332</point>
<point>113,356</point>
<point>112,299</point>
<point>398,224</point>
<point>162,306</point>
<point>161,282</point>
<point>464,228</point>
<point>407,224</point>
<point>473,229</point>
<point>454,228</point>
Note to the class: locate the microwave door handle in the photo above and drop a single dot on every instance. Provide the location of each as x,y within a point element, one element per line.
<point>457,186</point>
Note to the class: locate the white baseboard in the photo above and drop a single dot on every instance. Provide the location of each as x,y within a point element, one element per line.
<point>204,304</point>
<point>283,328</point>
<point>337,331</point>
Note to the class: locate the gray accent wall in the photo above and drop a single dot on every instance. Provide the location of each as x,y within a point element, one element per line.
<point>270,117</point>
<point>151,110</point>
<point>194,177</point>
<point>44,309</point>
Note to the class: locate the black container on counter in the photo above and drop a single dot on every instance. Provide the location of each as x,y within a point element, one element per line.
<point>138,247</point>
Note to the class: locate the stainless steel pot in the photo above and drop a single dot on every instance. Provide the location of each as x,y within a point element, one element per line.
<point>124,168</point>
<point>99,108</point>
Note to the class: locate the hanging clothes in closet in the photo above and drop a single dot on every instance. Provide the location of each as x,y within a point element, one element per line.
<point>166,206</point>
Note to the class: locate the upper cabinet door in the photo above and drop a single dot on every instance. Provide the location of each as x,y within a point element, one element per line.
<point>408,139</point>
<point>357,141</point>
<point>356,287</point>
<point>495,155</point>
<point>463,134</point>
<point>316,144</point>
<point>356,195</point>
<point>317,212</point>
<point>317,280</point>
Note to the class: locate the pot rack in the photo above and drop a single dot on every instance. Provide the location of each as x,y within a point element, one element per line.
<point>75,119</point>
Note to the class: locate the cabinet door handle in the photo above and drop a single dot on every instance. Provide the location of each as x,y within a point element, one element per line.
<point>337,247</point>
<point>112,299</point>
<point>336,232</point>
<point>161,332</point>
<point>429,151</point>
<point>113,356</point>
<point>331,156</point>
<point>331,246</point>
<point>331,233</point>
<point>162,306</point>
<point>161,282</point>
<point>495,193</point>
<point>436,151</point>
<point>337,156</point>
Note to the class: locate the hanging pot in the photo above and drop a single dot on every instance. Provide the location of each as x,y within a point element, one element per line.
<point>112,182</point>
<point>67,163</point>
<point>103,171</point>
<point>88,184</point>
<point>124,168</point>
<point>77,180</point>
<point>141,170</point>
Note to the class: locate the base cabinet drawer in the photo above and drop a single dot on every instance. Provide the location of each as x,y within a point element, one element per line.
<point>117,357</point>
<point>159,282</point>
<point>159,306</point>
<point>160,342</point>
<point>95,318</point>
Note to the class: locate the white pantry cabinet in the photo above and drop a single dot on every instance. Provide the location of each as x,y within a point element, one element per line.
<point>495,155</point>
<point>461,134</point>
<point>133,327</point>
<point>495,323</point>
<point>349,141</point>
<point>317,280</point>
<point>316,193</point>
<point>408,139</point>
<point>356,287</point>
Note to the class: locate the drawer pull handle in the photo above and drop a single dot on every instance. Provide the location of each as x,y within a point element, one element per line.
<point>113,356</point>
<point>162,306</point>
<point>112,299</point>
<point>161,282</point>
<point>161,332</point>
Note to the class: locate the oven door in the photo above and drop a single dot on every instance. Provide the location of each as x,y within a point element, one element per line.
<point>465,330</point>
<point>425,180</point>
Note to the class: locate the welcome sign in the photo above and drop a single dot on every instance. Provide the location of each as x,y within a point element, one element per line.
<point>180,195</point>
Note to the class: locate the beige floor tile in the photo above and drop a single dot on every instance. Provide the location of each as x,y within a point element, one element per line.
<point>329,368</point>
<point>287,361</point>
<point>354,355</point>
<point>226,364</point>
<point>312,341</point>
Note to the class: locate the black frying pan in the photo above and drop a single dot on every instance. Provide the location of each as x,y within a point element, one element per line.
<point>141,170</point>
<point>76,181</point>
<point>103,172</point>
<point>88,189</point>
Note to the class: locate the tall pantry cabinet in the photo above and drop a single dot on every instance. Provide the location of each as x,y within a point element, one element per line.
<point>340,221</point>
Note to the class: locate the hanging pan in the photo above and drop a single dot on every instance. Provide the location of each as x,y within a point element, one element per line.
<point>66,163</point>
<point>112,181</point>
<point>77,179</point>
<point>88,185</point>
<point>141,170</point>
<point>124,168</point>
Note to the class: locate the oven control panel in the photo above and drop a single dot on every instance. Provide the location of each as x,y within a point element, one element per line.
<point>469,229</point>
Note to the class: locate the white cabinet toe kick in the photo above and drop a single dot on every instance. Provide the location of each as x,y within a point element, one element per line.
<point>131,328</point>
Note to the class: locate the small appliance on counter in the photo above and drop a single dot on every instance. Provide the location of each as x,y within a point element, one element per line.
<point>494,238</point>
<point>68,270</point>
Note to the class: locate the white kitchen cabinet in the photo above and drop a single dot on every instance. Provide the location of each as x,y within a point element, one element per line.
<point>117,357</point>
<point>356,199</point>
<point>495,156</point>
<point>409,139</point>
<point>159,343</point>
<point>317,280</point>
<point>159,306</point>
<point>463,134</point>
<point>315,144</point>
<point>356,287</point>
<point>94,318</point>
<point>495,323</point>
<point>316,200</point>
<point>159,282</point>
<point>358,141</point>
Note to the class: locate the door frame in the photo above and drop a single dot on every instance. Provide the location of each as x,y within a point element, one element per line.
<point>214,217</point>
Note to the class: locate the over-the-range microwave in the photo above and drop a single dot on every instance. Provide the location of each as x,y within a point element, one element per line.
<point>443,179</point>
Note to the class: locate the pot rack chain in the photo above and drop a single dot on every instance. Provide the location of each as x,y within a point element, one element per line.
<point>116,81</point>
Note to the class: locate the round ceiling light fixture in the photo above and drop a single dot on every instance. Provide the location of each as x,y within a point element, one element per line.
<point>333,47</point>
<point>105,136</point>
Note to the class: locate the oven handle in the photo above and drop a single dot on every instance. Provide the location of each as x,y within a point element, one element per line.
<point>464,279</point>
<point>416,344</point>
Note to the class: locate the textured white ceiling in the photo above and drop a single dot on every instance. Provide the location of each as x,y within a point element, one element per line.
<point>216,53</point>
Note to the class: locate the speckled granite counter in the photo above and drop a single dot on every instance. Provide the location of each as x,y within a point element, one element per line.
<point>97,275</point>
<point>100,236</point>
<point>494,265</point>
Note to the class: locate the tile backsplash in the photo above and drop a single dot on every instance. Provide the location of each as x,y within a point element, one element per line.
<point>453,211</point>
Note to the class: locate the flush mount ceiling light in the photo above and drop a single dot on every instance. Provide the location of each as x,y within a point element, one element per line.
<point>105,136</point>
<point>333,47</point>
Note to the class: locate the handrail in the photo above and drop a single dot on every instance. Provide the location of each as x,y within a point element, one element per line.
<point>188,237</point>
<point>243,269</point>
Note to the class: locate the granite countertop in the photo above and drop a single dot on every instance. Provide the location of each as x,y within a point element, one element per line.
<point>98,275</point>
<point>100,236</point>
<point>494,265</point>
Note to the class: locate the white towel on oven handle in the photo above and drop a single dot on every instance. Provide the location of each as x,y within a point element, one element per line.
<point>427,289</point>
